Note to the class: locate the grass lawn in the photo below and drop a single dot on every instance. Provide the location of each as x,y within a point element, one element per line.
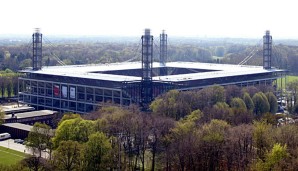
<point>9,157</point>
<point>289,79</point>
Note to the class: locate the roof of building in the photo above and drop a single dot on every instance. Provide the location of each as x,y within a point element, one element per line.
<point>9,110</point>
<point>31,114</point>
<point>25,127</point>
<point>19,126</point>
<point>92,71</point>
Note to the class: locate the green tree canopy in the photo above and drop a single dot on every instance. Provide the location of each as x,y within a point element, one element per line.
<point>67,116</point>
<point>97,152</point>
<point>2,115</point>
<point>272,102</point>
<point>262,138</point>
<point>172,104</point>
<point>261,104</point>
<point>238,103</point>
<point>68,155</point>
<point>39,137</point>
<point>75,129</point>
<point>273,158</point>
<point>248,102</point>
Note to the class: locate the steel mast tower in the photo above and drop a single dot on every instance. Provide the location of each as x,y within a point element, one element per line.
<point>37,50</point>
<point>267,50</point>
<point>147,56</point>
<point>163,53</point>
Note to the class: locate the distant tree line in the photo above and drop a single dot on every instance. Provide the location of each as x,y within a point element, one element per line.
<point>8,83</point>
<point>18,56</point>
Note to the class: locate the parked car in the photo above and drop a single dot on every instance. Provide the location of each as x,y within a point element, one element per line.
<point>20,141</point>
<point>4,136</point>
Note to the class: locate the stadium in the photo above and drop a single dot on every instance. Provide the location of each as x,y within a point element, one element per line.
<point>84,88</point>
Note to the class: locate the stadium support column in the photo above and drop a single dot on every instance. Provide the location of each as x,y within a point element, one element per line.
<point>147,56</point>
<point>163,53</point>
<point>267,50</point>
<point>37,50</point>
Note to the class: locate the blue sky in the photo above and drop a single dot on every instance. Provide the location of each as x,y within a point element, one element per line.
<point>203,18</point>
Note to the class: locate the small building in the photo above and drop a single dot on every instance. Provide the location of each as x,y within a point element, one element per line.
<point>43,116</point>
<point>16,130</point>
<point>15,110</point>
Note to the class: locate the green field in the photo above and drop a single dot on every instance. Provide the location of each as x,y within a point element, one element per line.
<point>289,79</point>
<point>9,157</point>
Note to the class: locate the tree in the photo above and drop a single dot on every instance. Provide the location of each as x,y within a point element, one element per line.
<point>183,143</point>
<point>239,104</point>
<point>232,91</point>
<point>295,109</point>
<point>97,152</point>
<point>248,102</point>
<point>213,140</point>
<point>240,113</point>
<point>293,87</point>
<point>2,86</point>
<point>272,102</point>
<point>39,137</point>
<point>160,128</point>
<point>238,149</point>
<point>207,97</point>
<point>273,158</point>
<point>125,125</point>
<point>15,84</point>
<point>173,104</point>
<point>220,110</point>
<point>251,90</point>
<point>68,116</point>
<point>2,115</point>
<point>218,94</point>
<point>75,129</point>
<point>9,86</point>
<point>68,155</point>
<point>36,163</point>
<point>261,104</point>
<point>262,138</point>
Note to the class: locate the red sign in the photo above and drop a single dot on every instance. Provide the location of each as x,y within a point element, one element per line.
<point>56,90</point>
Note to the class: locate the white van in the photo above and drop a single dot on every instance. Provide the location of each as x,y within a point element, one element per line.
<point>4,136</point>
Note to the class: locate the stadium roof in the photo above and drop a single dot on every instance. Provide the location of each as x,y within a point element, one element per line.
<point>93,71</point>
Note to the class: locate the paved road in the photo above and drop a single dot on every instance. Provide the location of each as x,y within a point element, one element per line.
<point>18,147</point>
<point>12,145</point>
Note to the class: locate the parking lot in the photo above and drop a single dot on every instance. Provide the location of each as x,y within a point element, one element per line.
<point>9,143</point>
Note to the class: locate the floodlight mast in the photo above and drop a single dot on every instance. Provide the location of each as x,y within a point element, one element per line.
<point>163,53</point>
<point>267,50</point>
<point>147,56</point>
<point>37,50</point>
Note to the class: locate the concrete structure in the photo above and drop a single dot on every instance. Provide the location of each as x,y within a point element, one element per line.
<point>83,88</point>
<point>267,50</point>
<point>16,130</point>
<point>12,110</point>
<point>43,116</point>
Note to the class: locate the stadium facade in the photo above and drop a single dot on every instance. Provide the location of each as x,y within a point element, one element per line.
<point>83,88</point>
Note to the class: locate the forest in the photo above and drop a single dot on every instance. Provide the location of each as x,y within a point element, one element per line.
<point>215,128</point>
